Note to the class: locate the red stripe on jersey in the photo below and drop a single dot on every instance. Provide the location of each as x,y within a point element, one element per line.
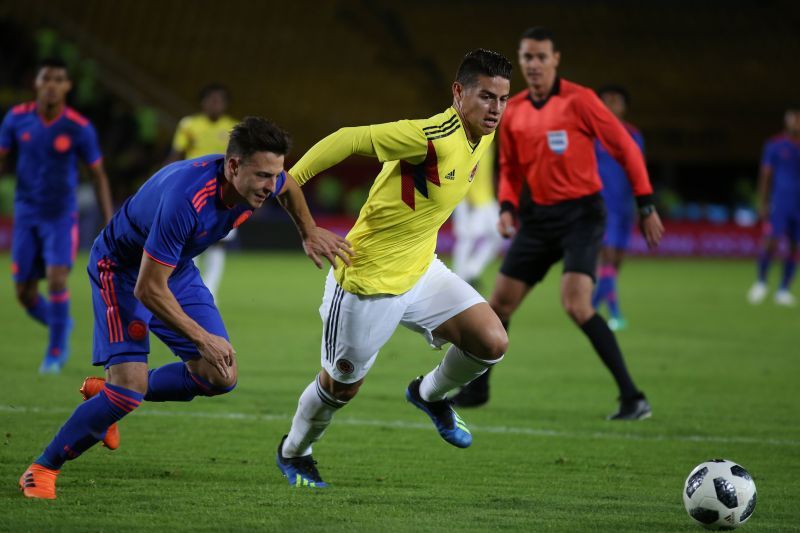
<point>209,186</point>
<point>159,261</point>
<point>76,117</point>
<point>20,109</point>
<point>416,177</point>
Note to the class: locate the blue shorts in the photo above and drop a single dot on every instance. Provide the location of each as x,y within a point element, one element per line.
<point>42,243</point>
<point>122,323</point>
<point>619,226</point>
<point>784,220</point>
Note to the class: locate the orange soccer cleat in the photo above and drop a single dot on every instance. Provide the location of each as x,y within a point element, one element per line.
<point>39,482</point>
<point>91,387</point>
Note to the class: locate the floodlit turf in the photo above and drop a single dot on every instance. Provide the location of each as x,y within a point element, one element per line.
<point>721,376</point>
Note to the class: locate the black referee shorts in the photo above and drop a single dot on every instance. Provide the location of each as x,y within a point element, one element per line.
<point>572,230</point>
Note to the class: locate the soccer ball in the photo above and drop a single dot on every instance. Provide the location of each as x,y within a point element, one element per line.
<point>719,494</point>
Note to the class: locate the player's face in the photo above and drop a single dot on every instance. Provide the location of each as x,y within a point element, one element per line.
<point>52,85</point>
<point>792,120</point>
<point>538,62</point>
<point>214,104</point>
<point>256,177</point>
<point>481,105</point>
<point>615,102</point>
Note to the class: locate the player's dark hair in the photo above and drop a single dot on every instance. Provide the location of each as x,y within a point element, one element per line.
<point>540,33</point>
<point>256,134</point>
<point>214,88</point>
<point>482,62</point>
<point>52,62</point>
<point>615,89</point>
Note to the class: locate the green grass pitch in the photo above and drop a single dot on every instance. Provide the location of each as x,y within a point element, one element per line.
<point>720,374</point>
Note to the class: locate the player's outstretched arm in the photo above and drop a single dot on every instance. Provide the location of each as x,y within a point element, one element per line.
<point>762,193</point>
<point>102,190</point>
<point>317,242</point>
<point>152,290</point>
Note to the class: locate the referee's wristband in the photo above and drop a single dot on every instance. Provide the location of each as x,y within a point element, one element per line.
<point>507,207</point>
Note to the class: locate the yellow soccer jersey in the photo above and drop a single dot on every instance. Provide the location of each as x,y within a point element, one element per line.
<point>428,166</point>
<point>197,135</point>
<point>482,191</point>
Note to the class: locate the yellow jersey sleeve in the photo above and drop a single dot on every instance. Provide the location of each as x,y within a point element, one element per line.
<point>183,135</point>
<point>332,150</point>
<point>401,140</point>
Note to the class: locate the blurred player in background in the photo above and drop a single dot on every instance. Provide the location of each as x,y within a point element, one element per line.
<point>202,134</point>
<point>49,137</point>
<point>547,143</point>
<point>143,279</point>
<point>620,214</point>
<point>395,277</point>
<point>779,206</point>
<point>475,224</point>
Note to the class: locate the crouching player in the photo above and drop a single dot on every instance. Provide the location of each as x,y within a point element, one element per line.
<point>143,279</point>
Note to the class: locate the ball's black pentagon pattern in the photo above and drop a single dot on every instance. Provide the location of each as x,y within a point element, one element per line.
<point>738,471</point>
<point>716,460</point>
<point>751,506</point>
<point>694,482</point>
<point>704,516</point>
<point>726,492</point>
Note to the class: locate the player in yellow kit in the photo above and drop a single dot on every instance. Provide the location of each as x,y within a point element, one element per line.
<point>394,277</point>
<point>202,134</point>
<point>475,224</point>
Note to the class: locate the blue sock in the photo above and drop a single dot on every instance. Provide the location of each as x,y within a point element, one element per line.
<point>88,424</point>
<point>39,310</point>
<point>611,298</point>
<point>58,320</point>
<point>174,383</point>
<point>763,262</point>
<point>789,268</point>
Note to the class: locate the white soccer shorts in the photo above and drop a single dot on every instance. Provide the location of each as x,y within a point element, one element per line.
<point>355,327</point>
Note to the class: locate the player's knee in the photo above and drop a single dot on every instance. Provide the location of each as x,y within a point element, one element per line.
<point>495,342</point>
<point>344,392</point>
<point>579,312</point>
<point>220,384</point>
<point>26,296</point>
<point>503,308</point>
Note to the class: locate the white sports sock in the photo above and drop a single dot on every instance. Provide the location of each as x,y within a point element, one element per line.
<point>456,370</point>
<point>214,267</point>
<point>315,410</point>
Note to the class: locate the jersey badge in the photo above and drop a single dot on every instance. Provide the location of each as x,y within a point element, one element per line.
<point>451,175</point>
<point>557,141</point>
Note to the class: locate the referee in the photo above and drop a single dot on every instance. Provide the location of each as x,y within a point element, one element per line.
<point>550,189</point>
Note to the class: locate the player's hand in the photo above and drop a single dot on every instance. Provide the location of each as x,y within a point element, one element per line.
<point>506,225</point>
<point>321,243</point>
<point>652,229</point>
<point>218,352</point>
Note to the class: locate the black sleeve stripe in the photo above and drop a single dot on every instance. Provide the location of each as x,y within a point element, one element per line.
<point>439,135</point>
<point>442,126</point>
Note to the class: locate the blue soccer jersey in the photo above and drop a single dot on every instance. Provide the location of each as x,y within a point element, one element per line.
<point>782,155</point>
<point>174,216</point>
<point>47,153</point>
<point>617,191</point>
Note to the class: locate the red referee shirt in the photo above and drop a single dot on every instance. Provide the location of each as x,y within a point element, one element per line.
<point>552,147</point>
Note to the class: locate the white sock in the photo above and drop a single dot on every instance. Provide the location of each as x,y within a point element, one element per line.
<point>215,265</point>
<point>456,370</point>
<point>315,410</point>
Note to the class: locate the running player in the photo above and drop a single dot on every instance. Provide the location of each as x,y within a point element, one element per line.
<point>395,277</point>
<point>202,134</point>
<point>475,224</point>
<point>143,279</point>
<point>49,137</point>
<point>547,142</point>
<point>779,205</point>
<point>620,215</point>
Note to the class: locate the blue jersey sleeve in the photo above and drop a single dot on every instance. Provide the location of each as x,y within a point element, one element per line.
<point>639,138</point>
<point>173,225</point>
<point>7,132</point>
<point>88,147</point>
<point>280,184</point>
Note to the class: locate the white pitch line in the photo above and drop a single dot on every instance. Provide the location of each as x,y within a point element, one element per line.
<point>402,424</point>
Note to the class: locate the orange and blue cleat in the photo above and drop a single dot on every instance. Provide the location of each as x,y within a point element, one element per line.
<point>39,482</point>
<point>92,387</point>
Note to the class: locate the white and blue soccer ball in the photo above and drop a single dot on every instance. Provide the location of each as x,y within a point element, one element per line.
<point>719,494</point>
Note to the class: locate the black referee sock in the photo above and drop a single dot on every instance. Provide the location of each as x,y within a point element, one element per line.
<point>605,344</point>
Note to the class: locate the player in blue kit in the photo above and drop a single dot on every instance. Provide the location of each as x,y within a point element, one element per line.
<point>49,138</point>
<point>143,279</point>
<point>620,215</point>
<point>779,205</point>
